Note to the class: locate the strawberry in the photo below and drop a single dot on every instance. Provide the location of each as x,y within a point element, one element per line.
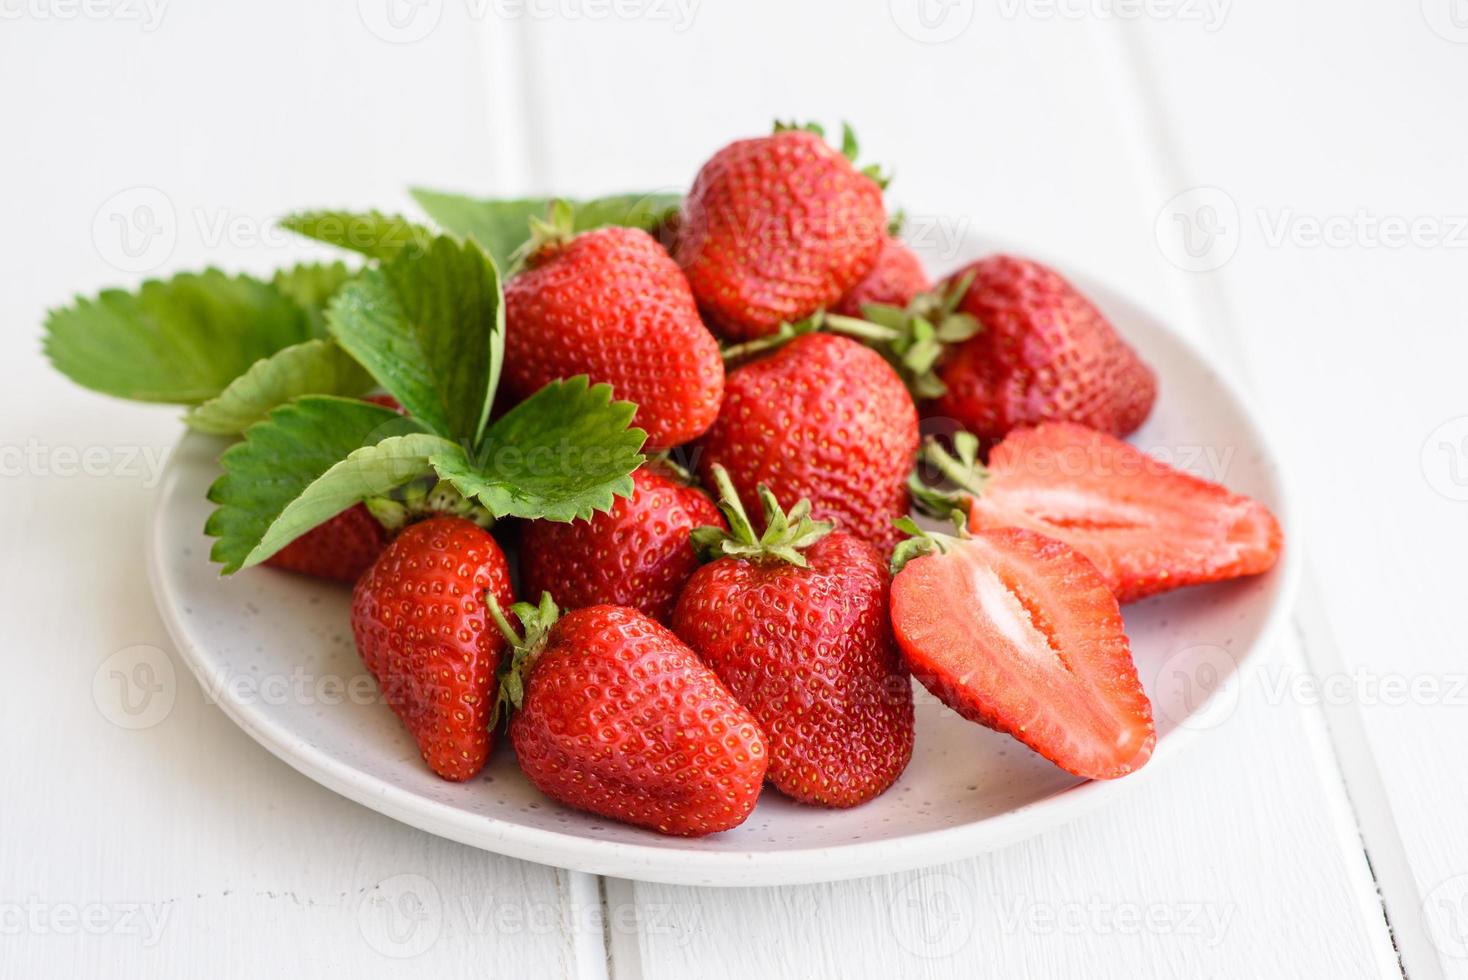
<point>795,622</point>
<point>1044,354</point>
<point>611,304</point>
<point>342,548</point>
<point>637,554</point>
<point>1018,632</point>
<point>339,550</point>
<point>777,227</point>
<point>418,616</point>
<point>1147,527</point>
<point>823,419</point>
<point>895,280</point>
<point>614,715</point>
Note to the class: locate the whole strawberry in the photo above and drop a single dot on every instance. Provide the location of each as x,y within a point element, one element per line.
<point>614,715</point>
<point>637,554</point>
<point>822,419</point>
<point>795,622</point>
<point>611,304</point>
<point>897,277</point>
<point>1044,354</point>
<point>339,550</point>
<point>1147,527</point>
<point>419,619</point>
<point>775,228</point>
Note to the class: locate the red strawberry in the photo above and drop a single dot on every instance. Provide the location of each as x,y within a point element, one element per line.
<point>616,716</point>
<point>775,228</point>
<point>823,419</point>
<point>340,550</point>
<point>612,305</point>
<point>796,624</point>
<point>1147,527</point>
<point>637,554</point>
<point>418,617</point>
<point>1044,354</point>
<point>1018,632</point>
<point>895,280</point>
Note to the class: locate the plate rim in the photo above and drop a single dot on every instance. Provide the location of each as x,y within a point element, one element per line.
<point>670,865</point>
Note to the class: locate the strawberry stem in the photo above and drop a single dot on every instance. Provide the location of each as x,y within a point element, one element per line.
<point>536,621</point>
<point>963,470</point>
<point>422,500</point>
<point>785,537</point>
<point>921,541</point>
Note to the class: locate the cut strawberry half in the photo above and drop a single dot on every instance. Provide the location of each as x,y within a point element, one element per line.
<point>1019,632</point>
<point>1147,527</point>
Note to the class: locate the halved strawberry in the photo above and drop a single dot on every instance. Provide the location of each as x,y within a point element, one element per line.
<point>1018,632</point>
<point>1147,527</point>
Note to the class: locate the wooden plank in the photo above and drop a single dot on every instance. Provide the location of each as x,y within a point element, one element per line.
<point>183,847</point>
<point>1329,137</point>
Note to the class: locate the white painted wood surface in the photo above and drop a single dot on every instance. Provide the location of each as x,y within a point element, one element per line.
<point>1069,134</point>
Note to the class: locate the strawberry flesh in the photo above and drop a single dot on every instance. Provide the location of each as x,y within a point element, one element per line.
<point>1147,527</point>
<point>1018,632</point>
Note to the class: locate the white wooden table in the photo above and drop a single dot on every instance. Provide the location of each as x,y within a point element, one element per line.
<point>1284,180</point>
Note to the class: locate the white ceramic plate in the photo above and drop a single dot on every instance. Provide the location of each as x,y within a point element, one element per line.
<point>275,651</point>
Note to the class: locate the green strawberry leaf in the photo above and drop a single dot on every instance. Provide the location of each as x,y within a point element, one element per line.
<point>307,462</point>
<point>502,226</point>
<point>312,285</point>
<point>180,340</point>
<point>372,233</point>
<point>561,454</point>
<point>429,326</point>
<point>312,367</point>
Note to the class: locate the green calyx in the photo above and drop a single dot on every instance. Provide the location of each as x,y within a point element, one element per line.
<point>914,338</point>
<point>960,468</point>
<point>737,354</point>
<point>849,147</point>
<point>921,541</point>
<point>525,648</point>
<point>427,498</point>
<point>785,537</point>
<point>546,234</point>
